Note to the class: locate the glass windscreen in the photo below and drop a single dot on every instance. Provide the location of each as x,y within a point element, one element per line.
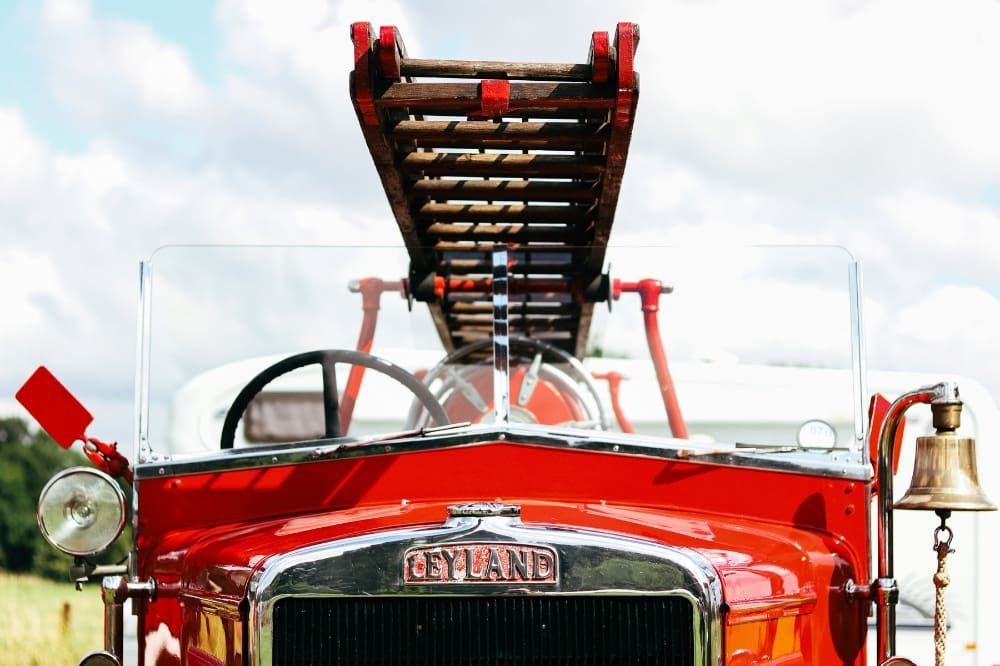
<point>261,346</point>
<point>758,343</point>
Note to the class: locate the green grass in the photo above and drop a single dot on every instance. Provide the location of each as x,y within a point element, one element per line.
<point>43,622</point>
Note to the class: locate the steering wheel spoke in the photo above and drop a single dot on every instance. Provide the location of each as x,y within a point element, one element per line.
<point>576,383</point>
<point>328,359</point>
<point>331,401</point>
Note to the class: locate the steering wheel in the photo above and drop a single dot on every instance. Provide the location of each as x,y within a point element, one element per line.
<point>445,380</point>
<point>328,360</point>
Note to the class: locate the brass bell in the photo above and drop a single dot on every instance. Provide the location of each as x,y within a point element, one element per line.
<point>944,468</point>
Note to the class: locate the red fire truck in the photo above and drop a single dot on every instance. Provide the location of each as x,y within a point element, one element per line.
<point>424,454</point>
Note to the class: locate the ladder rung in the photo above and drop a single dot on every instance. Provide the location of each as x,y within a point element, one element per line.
<point>487,134</point>
<point>474,245</point>
<point>502,232</point>
<point>503,190</point>
<point>535,307</point>
<point>480,267</point>
<point>536,322</point>
<point>559,324</point>
<point>520,114</point>
<point>502,212</point>
<point>491,69</point>
<point>508,164</point>
<point>522,95</point>
<point>464,336</point>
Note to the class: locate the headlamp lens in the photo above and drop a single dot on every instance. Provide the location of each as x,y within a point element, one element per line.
<point>81,511</point>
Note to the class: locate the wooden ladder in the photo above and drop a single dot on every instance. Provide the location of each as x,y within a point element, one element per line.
<point>529,155</point>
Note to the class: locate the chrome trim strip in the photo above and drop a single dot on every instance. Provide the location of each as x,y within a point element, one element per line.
<point>501,339</point>
<point>798,462</point>
<point>367,566</point>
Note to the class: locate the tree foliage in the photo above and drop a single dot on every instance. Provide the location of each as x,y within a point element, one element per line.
<point>28,459</point>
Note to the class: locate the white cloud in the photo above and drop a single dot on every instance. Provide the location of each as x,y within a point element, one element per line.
<point>869,125</point>
<point>34,297</point>
<point>298,41</point>
<point>113,71</point>
<point>939,230</point>
<point>23,158</point>
<point>807,100</point>
<point>665,202</point>
<point>66,12</point>
<point>953,329</point>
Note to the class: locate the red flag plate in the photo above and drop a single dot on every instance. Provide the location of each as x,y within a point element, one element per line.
<point>56,409</point>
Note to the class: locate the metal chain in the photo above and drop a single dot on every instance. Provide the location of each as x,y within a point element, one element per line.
<point>942,544</point>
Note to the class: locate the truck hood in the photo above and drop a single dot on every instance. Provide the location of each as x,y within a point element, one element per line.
<point>765,569</point>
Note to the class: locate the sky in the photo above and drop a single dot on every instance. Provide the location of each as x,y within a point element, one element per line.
<point>126,126</point>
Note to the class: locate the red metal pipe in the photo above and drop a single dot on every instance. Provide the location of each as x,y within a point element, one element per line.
<point>649,291</point>
<point>371,290</point>
<point>614,380</point>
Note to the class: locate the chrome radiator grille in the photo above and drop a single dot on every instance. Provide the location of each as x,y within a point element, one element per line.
<point>636,629</point>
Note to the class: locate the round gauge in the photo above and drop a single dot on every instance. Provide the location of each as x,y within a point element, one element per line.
<point>817,434</point>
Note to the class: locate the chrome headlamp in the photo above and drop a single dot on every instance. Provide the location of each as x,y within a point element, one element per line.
<point>81,511</point>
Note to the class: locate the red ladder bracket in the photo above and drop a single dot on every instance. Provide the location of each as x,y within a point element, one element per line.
<point>494,99</point>
<point>626,44</point>
<point>626,82</point>
<point>600,57</point>
<point>391,52</point>
<point>364,41</point>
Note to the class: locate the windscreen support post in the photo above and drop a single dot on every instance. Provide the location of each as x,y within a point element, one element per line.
<point>501,338</point>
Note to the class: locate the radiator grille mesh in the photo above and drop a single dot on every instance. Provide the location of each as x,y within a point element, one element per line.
<point>484,630</point>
